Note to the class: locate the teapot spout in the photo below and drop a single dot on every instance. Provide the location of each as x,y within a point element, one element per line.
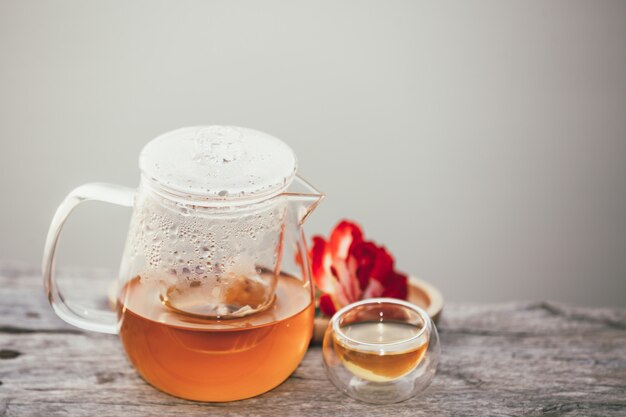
<point>303,198</point>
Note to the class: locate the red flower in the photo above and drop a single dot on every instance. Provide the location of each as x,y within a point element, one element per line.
<point>347,268</point>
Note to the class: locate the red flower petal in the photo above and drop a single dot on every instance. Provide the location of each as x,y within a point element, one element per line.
<point>383,266</point>
<point>349,284</point>
<point>361,260</point>
<point>396,286</point>
<point>374,289</point>
<point>327,306</point>
<point>347,268</point>
<point>342,237</point>
<point>318,250</point>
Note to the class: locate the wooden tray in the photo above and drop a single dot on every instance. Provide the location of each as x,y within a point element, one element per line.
<point>421,293</point>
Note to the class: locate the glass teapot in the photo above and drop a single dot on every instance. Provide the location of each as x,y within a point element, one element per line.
<point>214,295</point>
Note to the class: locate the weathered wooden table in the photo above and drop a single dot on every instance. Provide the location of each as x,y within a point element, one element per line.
<point>530,359</point>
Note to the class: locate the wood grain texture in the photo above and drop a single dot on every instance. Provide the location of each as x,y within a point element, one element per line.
<point>516,359</point>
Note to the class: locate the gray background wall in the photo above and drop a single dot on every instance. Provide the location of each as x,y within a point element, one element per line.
<point>483,142</point>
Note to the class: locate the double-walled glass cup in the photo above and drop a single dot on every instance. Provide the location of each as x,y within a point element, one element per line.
<point>214,296</point>
<point>381,350</point>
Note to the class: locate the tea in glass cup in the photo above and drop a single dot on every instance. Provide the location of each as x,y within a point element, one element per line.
<point>381,350</point>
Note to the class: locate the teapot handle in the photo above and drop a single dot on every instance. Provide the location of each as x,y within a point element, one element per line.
<point>88,319</point>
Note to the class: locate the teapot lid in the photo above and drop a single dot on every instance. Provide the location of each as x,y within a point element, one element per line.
<point>222,163</point>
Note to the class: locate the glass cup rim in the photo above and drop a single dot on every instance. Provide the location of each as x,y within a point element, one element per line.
<point>334,321</point>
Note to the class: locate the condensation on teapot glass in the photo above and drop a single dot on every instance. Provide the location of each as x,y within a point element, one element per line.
<point>207,265</point>
<point>206,230</point>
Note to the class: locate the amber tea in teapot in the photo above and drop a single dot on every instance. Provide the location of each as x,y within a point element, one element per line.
<point>188,356</point>
<point>215,301</point>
